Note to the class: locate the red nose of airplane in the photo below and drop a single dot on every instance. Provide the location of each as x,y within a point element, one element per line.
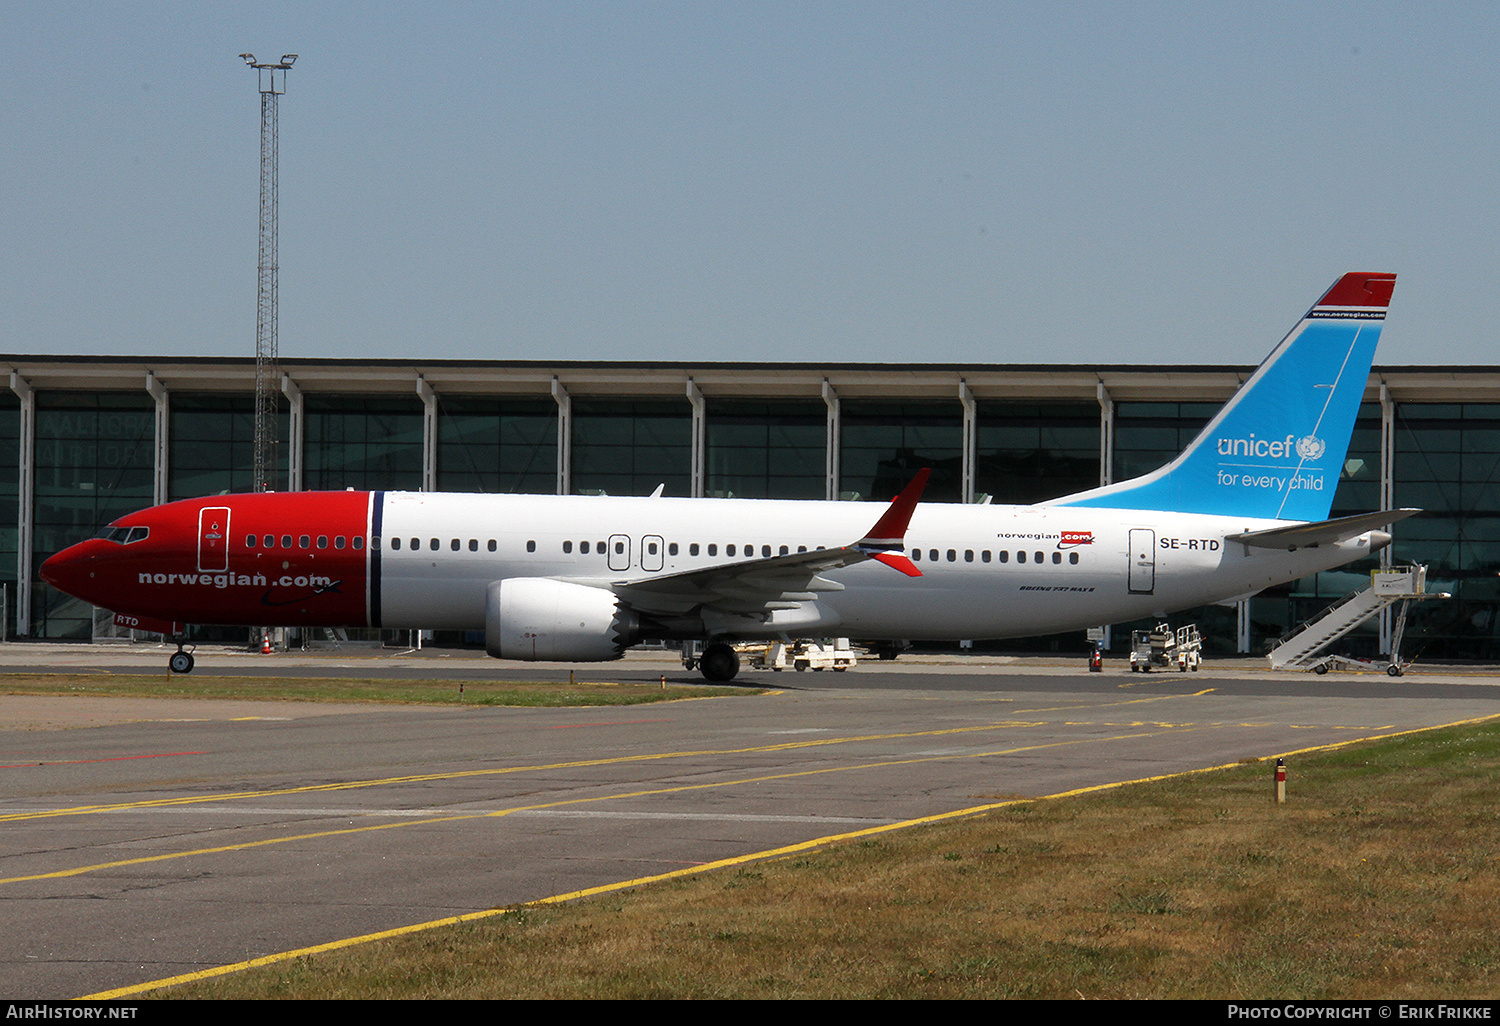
<point>72,570</point>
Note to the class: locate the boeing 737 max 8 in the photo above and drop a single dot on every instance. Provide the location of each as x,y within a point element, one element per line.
<point>580,578</point>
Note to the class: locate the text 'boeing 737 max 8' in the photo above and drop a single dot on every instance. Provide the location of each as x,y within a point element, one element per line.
<point>581,578</point>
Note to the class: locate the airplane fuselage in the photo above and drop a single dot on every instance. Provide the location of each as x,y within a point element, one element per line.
<point>427,560</point>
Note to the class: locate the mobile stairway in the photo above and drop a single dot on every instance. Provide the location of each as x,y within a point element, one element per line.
<point>1304,648</point>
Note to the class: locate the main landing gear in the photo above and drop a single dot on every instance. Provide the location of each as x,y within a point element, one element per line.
<point>719,662</point>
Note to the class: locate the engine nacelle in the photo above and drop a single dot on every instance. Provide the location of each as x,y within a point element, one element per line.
<point>536,618</point>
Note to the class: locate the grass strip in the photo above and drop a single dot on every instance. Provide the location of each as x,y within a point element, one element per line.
<point>354,689</point>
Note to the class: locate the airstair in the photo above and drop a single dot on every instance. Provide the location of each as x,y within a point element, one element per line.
<point>1304,648</point>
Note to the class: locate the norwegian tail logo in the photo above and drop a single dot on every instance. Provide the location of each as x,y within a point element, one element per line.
<point>1277,447</point>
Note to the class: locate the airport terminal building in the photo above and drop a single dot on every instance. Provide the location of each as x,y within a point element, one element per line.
<point>84,440</point>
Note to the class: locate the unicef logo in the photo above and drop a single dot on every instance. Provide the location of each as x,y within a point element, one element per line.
<point>1311,447</point>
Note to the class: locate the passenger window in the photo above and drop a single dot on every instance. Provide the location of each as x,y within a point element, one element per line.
<point>249,541</point>
<point>765,550</point>
<point>454,545</point>
<point>916,555</point>
<point>583,547</point>
<point>952,556</point>
<point>713,549</point>
<point>651,548</point>
<point>1041,557</point>
<point>729,550</point>
<point>492,545</point>
<point>338,541</point>
<point>671,548</point>
<point>567,546</point>
<point>984,557</point>
<point>322,541</point>
<point>304,541</point>
<point>968,555</point>
<point>531,546</point>
<point>474,544</point>
<point>1073,558</point>
<point>693,549</point>
<point>286,541</point>
<point>269,541</point>
<point>416,543</point>
<point>1057,557</point>
<point>433,544</point>
<point>932,555</point>
<point>359,542</point>
<point>783,550</point>
<point>1020,557</point>
<point>395,544</point>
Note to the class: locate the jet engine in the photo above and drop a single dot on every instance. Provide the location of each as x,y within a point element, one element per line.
<point>538,618</point>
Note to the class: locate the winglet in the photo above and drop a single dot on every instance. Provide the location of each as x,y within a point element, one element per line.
<point>889,531</point>
<point>897,562</point>
<point>887,538</point>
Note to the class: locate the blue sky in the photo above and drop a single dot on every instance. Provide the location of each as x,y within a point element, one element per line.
<point>945,182</point>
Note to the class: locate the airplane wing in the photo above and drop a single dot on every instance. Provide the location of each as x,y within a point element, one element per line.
<point>778,582</point>
<point>1320,532</point>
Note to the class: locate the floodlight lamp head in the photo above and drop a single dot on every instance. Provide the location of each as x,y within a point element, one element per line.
<point>249,58</point>
<point>288,59</point>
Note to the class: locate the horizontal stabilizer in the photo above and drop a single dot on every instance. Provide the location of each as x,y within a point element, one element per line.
<point>1321,532</point>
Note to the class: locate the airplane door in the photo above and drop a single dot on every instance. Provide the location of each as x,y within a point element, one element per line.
<point>213,539</point>
<point>1142,560</point>
<point>651,552</point>
<point>619,552</point>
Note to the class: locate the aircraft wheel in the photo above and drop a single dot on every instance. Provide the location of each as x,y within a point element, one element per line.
<point>181,662</point>
<point>720,663</point>
<point>1320,669</point>
<point>1394,670</point>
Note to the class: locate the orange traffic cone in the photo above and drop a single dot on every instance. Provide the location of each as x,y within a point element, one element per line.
<point>265,643</point>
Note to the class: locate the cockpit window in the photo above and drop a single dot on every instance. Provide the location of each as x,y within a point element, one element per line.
<point>124,535</point>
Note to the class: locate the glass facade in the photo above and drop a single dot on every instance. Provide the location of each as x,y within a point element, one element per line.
<point>1448,464</point>
<point>766,450</point>
<point>1150,435</point>
<point>10,502</point>
<point>211,443</point>
<point>1030,452</point>
<point>497,445</point>
<point>628,447</point>
<point>95,461</point>
<point>885,443</point>
<point>372,442</point>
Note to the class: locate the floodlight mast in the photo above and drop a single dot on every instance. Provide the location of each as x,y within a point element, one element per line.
<point>267,356</point>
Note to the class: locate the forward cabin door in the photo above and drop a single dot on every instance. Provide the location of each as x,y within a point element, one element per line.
<point>1142,561</point>
<point>213,539</point>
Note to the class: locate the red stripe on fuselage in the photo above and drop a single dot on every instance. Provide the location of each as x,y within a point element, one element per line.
<point>292,585</point>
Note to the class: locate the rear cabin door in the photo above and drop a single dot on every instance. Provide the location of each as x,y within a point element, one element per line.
<point>1142,560</point>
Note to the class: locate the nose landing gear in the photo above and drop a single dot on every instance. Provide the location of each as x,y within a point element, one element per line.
<point>181,661</point>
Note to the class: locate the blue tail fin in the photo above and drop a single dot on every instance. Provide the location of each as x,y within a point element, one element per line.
<point>1276,448</point>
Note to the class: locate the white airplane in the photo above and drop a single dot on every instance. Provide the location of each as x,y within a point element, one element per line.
<point>579,578</point>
